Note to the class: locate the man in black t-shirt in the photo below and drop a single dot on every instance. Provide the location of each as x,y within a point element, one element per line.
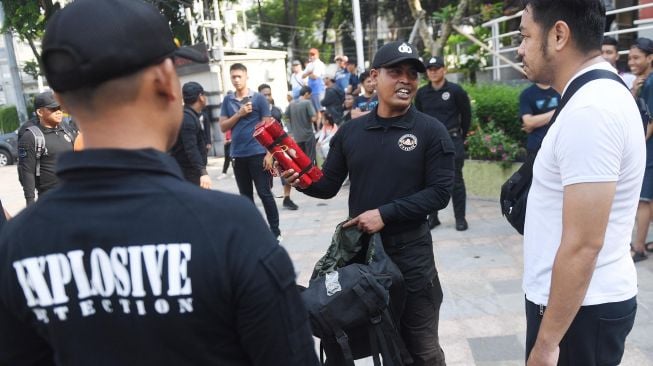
<point>448,103</point>
<point>126,263</point>
<point>537,103</point>
<point>400,164</point>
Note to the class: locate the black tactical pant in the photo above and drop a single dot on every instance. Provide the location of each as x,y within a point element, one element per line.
<point>459,194</point>
<point>412,252</point>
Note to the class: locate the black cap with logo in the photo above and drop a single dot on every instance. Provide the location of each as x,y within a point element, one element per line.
<point>191,91</point>
<point>89,42</point>
<point>436,62</point>
<point>45,100</point>
<point>395,52</point>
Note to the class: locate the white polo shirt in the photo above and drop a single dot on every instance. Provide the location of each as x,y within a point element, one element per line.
<point>597,137</point>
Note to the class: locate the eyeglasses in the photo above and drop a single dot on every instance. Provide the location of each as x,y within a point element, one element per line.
<point>53,109</point>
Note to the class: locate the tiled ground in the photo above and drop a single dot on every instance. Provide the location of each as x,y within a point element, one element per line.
<point>482,317</point>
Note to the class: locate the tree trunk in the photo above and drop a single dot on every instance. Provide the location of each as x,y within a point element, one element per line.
<point>438,45</point>
<point>419,15</point>
<point>327,21</point>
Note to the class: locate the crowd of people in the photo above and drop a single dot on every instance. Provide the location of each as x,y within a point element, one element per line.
<point>162,259</point>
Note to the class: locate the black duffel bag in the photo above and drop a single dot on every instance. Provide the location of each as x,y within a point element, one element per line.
<point>355,299</point>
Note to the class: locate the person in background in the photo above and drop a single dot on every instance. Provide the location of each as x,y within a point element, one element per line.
<point>302,121</point>
<point>537,103</point>
<point>342,76</point>
<point>334,97</point>
<point>36,169</point>
<point>241,111</point>
<point>315,73</point>
<point>610,53</point>
<point>448,103</point>
<point>347,107</point>
<point>190,148</point>
<point>329,128</point>
<point>354,82</point>
<point>640,59</point>
<point>297,80</point>
<point>364,104</point>
<point>227,155</point>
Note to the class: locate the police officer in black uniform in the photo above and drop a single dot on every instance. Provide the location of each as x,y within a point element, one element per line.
<point>190,149</point>
<point>448,103</point>
<point>130,264</point>
<point>400,164</point>
<point>34,172</point>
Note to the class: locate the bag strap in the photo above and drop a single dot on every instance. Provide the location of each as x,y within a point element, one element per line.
<point>341,337</point>
<point>39,145</point>
<point>579,82</point>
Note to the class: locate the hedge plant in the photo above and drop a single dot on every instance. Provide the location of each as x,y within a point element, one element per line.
<point>8,119</point>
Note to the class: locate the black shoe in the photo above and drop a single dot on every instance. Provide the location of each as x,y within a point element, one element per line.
<point>289,204</point>
<point>461,225</point>
<point>433,221</point>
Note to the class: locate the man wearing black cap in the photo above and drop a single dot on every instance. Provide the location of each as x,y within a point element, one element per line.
<point>190,148</point>
<point>400,164</point>
<point>131,264</point>
<point>39,147</point>
<point>448,103</point>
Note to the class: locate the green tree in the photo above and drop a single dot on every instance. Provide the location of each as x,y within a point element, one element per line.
<point>28,19</point>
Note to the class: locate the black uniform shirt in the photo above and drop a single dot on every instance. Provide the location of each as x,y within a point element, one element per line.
<point>131,265</point>
<point>404,168</point>
<point>449,104</point>
<point>190,148</point>
<point>56,142</point>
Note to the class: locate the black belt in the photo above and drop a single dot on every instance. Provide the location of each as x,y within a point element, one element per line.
<point>406,236</point>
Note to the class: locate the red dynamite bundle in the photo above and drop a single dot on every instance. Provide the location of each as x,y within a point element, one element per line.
<point>270,134</point>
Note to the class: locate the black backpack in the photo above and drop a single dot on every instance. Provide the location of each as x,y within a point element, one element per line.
<point>355,300</point>
<point>514,192</point>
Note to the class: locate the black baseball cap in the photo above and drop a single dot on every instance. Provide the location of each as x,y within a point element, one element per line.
<point>644,44</point>
<point>89,42</point>
<point>191,91</point>
<point>45,100</point>
<point>436,62</point>
<point>395,52</point>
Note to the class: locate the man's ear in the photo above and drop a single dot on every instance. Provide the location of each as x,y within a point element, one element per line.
<point>374,73</point>
<point>39,112</point>
<point>166,81</point>
<point>561,35</point>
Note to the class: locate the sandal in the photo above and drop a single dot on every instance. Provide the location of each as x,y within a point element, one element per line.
<point>639,256</point>
<point>649,246</point>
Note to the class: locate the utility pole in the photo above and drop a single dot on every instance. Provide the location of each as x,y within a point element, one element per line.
<point>358,31</point>
<point>17,84</point>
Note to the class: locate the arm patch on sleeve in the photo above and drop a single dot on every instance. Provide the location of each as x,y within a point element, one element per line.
<point>279,267</point>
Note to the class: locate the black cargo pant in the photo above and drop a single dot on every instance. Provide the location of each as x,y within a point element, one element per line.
<point>412,252</point>
<point>459,194</point>
<point>250,170</point>
<point>597,334</point>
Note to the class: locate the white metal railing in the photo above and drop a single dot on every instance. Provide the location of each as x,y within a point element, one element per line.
<point>495,39</point>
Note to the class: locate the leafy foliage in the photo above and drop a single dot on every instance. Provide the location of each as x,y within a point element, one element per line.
<point>492,143</point>
<point>498,103</point>
<point>8,119</point>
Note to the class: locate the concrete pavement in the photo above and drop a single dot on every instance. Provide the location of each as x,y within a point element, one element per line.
<point>482,317</point>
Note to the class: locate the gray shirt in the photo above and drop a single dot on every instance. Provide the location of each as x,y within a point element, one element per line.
<point>299,115</point>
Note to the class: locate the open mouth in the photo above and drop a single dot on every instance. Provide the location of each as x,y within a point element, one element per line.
<point>403,93</point>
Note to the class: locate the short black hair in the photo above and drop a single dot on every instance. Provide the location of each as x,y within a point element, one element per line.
<point>305,89</point>
<point>263,86</point>
<point>609,41</point>
<point>585,18</point>
<point>364,75</point>
<point>237,66</point>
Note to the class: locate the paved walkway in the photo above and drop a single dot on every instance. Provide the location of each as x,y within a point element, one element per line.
<point>482,317</point>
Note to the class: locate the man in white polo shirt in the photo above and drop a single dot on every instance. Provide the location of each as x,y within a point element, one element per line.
<point>579,279</point>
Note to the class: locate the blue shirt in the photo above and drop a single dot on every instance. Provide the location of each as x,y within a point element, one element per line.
<point>535,100</point>
<point>366,104</point>
<point>342,79</point>
<point>243,143</point>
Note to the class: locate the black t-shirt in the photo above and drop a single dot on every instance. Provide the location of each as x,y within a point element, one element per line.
<point>449,105</point>
<point>535,100</point>
<point>403,166</point>
<point>131,265</point>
